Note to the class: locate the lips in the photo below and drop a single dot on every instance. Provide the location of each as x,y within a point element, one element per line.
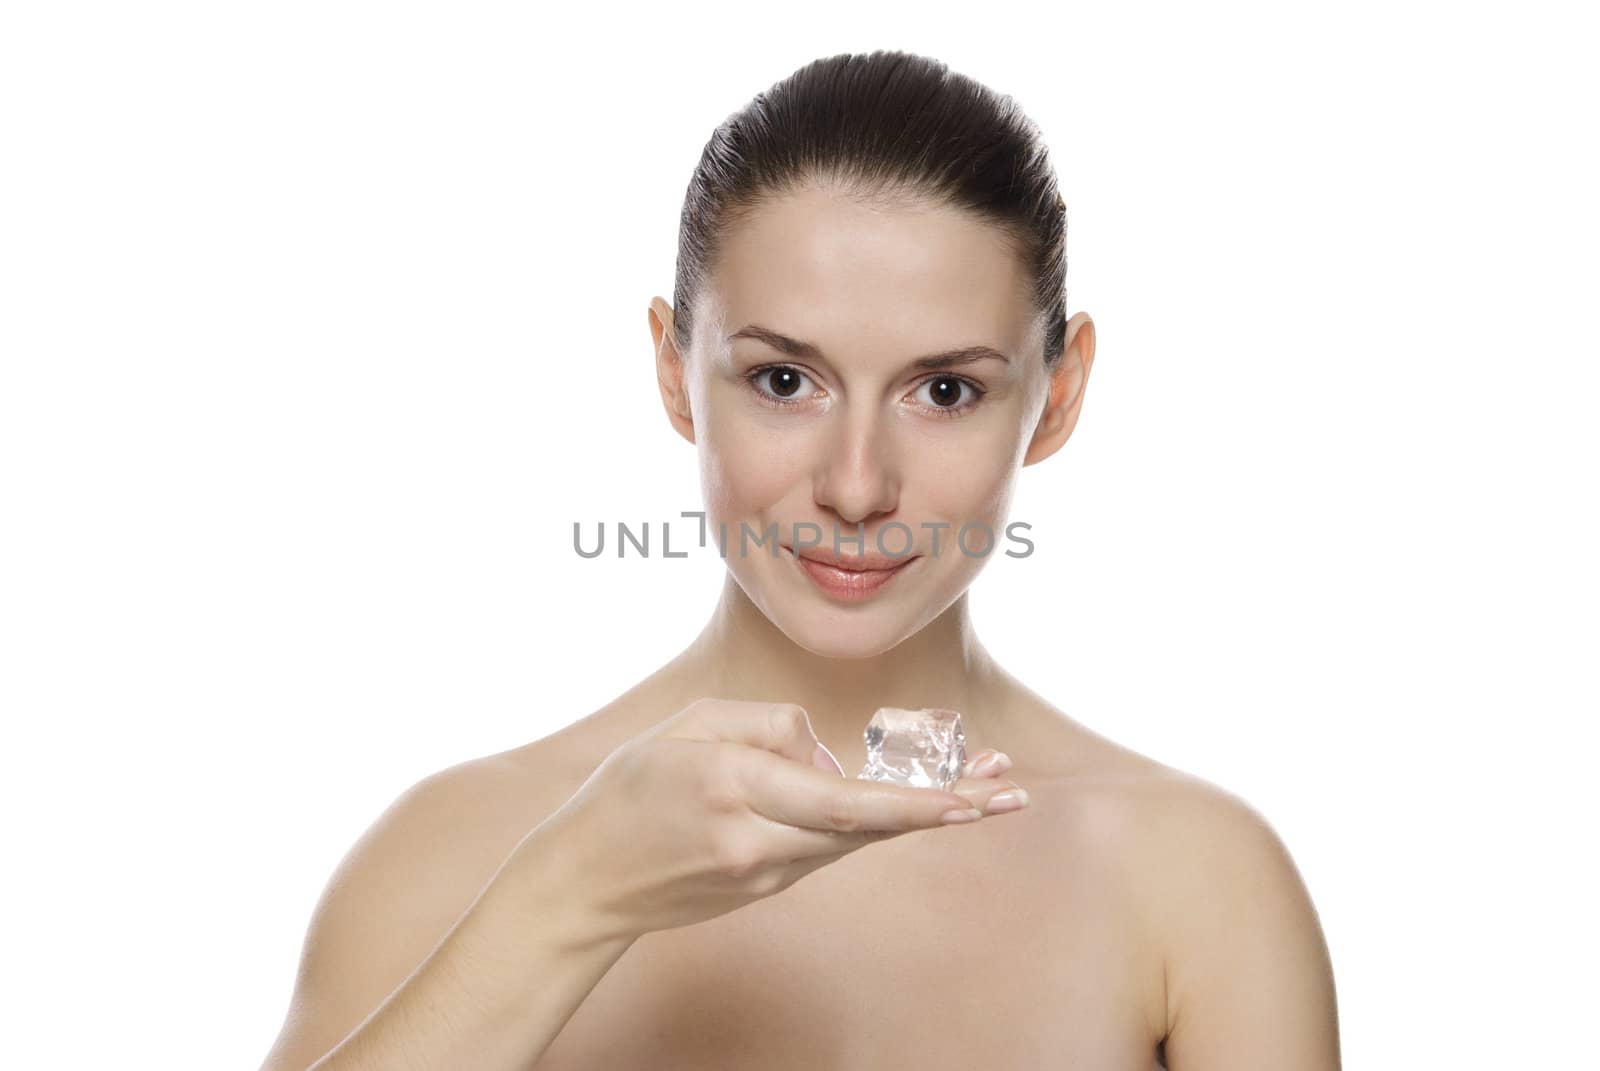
<point>851,563</point>
<point>847,578</point>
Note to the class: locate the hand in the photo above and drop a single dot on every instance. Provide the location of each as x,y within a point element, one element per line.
<point>723,803</point>
<point>981,782</point>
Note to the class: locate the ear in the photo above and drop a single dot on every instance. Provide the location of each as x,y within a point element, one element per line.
<point>1067,382</point>
<point>670,370</point>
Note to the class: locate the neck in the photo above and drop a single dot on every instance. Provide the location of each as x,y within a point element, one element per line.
<point>740,654</point>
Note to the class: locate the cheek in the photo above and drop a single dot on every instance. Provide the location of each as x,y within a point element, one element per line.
<point>745,467</point>
<point>966,480</point>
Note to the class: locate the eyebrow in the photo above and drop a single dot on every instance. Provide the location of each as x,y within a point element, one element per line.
<point>810,351</point>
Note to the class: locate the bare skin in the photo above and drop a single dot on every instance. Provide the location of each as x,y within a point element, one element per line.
<point>1010,943</point>
<point>1128,912</point>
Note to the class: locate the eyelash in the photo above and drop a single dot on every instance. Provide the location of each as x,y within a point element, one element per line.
<point>943,412</point>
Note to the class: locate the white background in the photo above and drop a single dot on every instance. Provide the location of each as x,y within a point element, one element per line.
<point>322,323</point>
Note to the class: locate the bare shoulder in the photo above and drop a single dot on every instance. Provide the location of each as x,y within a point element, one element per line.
<point>1196,835</point>
<point>403,884</point>
<point>1248,978</point>
<point>1242,966</point>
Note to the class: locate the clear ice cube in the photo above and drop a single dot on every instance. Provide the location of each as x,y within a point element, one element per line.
<point>917,748</point>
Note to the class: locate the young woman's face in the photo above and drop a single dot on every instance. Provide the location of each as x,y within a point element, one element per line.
<point>841,431</point>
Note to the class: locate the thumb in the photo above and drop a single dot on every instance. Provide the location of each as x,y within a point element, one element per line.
<point>823,759</point>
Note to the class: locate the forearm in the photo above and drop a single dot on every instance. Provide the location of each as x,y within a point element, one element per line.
<point>498,988</point>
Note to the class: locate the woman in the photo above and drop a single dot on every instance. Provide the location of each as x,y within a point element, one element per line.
<point>867,340</point>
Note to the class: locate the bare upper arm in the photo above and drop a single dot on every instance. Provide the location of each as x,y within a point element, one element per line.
<point>1249,979</point>
<point>395,894</point>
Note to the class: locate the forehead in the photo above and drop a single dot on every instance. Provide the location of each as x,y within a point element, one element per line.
<point>894,280</point>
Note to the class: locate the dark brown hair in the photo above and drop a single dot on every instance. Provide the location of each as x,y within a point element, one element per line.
<point>884,124</point>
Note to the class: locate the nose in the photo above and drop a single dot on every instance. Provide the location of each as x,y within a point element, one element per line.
<point>858,476</point>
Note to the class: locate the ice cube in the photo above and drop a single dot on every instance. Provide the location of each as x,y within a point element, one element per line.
<point>918,748</point>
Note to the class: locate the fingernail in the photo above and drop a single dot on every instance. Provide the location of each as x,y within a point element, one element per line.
<point>993,763</point>
<point>823,759</point>
<point>1010,800</point>
<point>971,814</point>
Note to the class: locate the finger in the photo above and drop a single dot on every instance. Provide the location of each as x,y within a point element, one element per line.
<point>807,798</point>
<point>977,759</point>
<point>987,763</point>
<point>780,728</point>
<point>978,791</point>
<point>808,849</point>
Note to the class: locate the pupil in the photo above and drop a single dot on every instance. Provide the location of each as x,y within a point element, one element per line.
<point>787,377</point>
<point>951,391</point>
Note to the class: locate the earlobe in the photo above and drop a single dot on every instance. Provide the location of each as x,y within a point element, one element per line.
<point>670,370</point>
<point>1067,382</point>
<point>1047,434</point>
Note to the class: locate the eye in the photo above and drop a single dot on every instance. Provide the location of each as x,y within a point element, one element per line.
<point>949,396</point>
<point>779,384</point>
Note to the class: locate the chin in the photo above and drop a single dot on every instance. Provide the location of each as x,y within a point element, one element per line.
<point>863,638</point>
<point>861,630</point>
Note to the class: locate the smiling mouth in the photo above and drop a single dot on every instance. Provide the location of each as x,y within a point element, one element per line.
<point>846,584</point>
